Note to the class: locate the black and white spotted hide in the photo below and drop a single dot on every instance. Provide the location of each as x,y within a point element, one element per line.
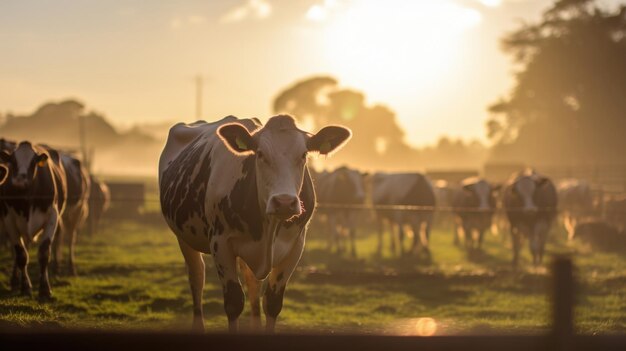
<point>530,201</point>
<point>32,200</point>
<point>75,214</point>
<point>241,192</point>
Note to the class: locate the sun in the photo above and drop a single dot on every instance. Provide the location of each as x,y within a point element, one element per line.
<point>396,46</point>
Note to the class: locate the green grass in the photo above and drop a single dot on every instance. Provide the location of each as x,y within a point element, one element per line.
<point>132,276</point>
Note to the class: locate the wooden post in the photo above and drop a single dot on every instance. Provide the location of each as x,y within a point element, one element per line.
<point>562,303</point>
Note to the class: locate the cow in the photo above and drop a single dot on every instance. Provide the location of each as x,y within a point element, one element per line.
<point>576,202</point>
<point>530,202</point>
<point>411,189</point>
<point>343,187</point>
<point>474,206</point>
<point>76,211</point>
<point>614,212</point>
<point>6,146</point>
<point>33,201</point>
<point>241,192</point>
<point>99,202</point>
<point>444,196</point>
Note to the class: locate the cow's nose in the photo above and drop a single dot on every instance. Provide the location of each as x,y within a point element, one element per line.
<point>284,205</point>
<point>20,180</point>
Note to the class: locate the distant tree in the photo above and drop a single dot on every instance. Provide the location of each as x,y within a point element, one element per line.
<point>378,141</point>
<point>568,105</point>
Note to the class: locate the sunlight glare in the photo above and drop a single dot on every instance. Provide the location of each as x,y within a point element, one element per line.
<point>397,45</point>
<point>425,327</point>
<point>491,3</point>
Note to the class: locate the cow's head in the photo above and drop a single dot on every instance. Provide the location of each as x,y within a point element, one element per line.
<point>350,182</point>
<point>281,150</point>
<point>525,187</point>
<point>23,163</point>
<point>481,192</point>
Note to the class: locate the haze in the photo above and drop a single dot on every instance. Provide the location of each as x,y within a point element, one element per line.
<point>435,63</point>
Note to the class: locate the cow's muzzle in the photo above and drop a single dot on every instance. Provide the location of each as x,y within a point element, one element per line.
<point>284,206</point>
<point>20,181</point>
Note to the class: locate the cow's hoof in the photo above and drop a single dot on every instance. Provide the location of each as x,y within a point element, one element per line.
<point>28,292</point>
<point>46,298</point>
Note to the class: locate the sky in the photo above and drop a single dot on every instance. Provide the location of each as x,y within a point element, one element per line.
<point>436,63</point>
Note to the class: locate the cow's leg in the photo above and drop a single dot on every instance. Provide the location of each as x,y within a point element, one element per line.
<point>516,237</point>
<point>381,232</point>
<point>50,229</point>
<point>254,294</point>
<point>226,264</point>
<point>15,273</point>
<point>276,283</point>
<point>195,267</point>
<point>481,235</point>
<point>352,234</point>
<point>45,293</point>
<point>71,231</point>
<point>541,233</point>
<point>21,261</point>
<point>57,249</point>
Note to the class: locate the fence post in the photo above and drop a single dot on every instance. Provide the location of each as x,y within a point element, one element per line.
<point>562,303</point>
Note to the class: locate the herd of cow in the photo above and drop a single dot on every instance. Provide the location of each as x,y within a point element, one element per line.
<point>241,191</point>
<point>45,197</point>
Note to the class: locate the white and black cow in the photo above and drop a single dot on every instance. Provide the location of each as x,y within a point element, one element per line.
<point>99,202</point>
<point>474,205</point>
<point>344,187</point>
<point>32,201</point>
<point>412,189</point>
<point>239,190</point>
<point>76,211</point>
<point>530,201</point>
<point>8,147</point>
<point>576,203</point>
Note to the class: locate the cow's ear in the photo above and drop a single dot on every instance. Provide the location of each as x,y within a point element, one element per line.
<point>237,138</point>
<point>5,157</point>
<point>4,173</point>
<point>541,181</point>
<point>42,160</point>
<point>328,139</point>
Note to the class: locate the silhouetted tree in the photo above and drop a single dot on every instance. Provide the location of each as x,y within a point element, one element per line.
<point>378,140</point>
<point>569,104</point>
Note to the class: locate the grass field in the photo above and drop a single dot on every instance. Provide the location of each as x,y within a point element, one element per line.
<point>132,276</point>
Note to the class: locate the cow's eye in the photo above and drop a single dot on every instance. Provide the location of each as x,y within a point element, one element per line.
<point>304,156</point>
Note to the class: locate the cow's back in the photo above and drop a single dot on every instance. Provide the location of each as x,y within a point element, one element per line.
<point>196,167</point>
<point>402,189</point>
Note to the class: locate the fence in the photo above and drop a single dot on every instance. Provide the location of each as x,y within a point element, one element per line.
<point>561,336</point>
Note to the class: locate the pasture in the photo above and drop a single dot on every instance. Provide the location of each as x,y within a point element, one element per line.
<point>132,277</point>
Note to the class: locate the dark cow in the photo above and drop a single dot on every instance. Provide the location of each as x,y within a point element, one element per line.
<point>240,190</point>
<point>614,212</point>
<point>444,196</point>
<point>342,187</point>
<point>6,146</point>
<point>76,211</point>
<point>474,205</point>
<point>99,202</point>
<point>412,189</point>
<point>576,203</point>
<point>33,201</point>
<point>530,201</point>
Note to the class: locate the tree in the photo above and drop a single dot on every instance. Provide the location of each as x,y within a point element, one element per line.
<point>568,105</point>
<point>378,140</point>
